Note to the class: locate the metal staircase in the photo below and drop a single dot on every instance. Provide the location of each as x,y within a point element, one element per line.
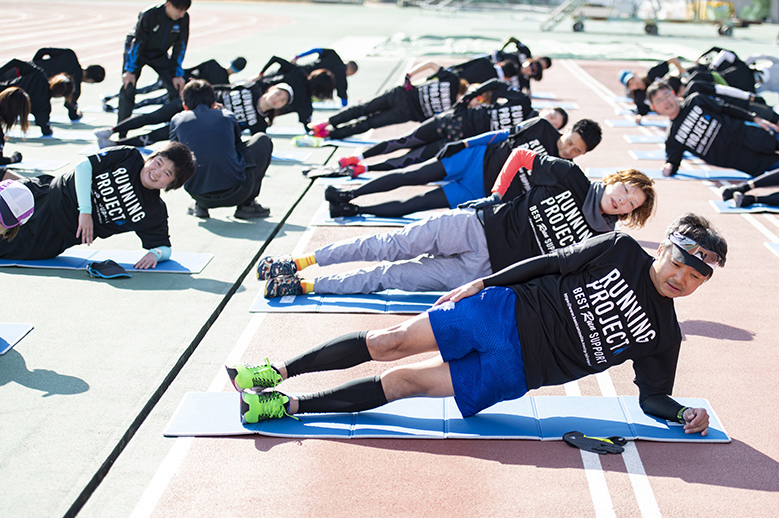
<point>561,13</point>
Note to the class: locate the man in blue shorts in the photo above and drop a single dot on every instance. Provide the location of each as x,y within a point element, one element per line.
<point>521,329</point>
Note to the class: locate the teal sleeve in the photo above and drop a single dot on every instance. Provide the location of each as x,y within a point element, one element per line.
<point>83,177</point>
<point>162,253</point>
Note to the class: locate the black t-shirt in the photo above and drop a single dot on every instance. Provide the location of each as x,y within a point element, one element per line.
<point>602,311</point>
<point>210,71</point>
<point>243,100</point>
<point>715,132</point>
<point>537,135</point>
<point>477,70</point>
<point>56,61</point>
<point>297,78</point>
<point>436,95</point>
<point>119,202</point>
<point>547,217</point>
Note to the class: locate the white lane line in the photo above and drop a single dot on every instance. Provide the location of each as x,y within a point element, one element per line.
<point>773,219</point>
<point>170,465</point>
<point>759,226</point>
<point>645,497</point>
<point>596,479</point>
<point>172,462</point>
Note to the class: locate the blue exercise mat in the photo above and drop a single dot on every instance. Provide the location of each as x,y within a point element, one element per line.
<point>683,174</point>
<point>289,156</point>
<point>387,301</point>
<point>57,134</point>
<point>626,123</point>
<point>322,219</point>
<point>285,131</point>
<point>351,142</point>
<point>328,105</point>
<point>11,334</point>
<point>38,164</point>
<point>644,139</point>
<point>727,207</point>
<point>774,247</point>
<point>655,154</point>
<point>540,105</point>
<point>543,418</point>
<point>543,95</point>
<point>78,258</point>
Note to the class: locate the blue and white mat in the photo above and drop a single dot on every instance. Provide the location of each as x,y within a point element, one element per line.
<point>388,301</point>
<point>543,418</point>
<point>78,258</point>
<point>11,334</point>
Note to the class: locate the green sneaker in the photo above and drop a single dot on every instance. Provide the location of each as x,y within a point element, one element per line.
<point>250,376</point>
<point>260,406</point>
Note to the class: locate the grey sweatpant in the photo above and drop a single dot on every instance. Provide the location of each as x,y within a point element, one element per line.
<point>438,253</point>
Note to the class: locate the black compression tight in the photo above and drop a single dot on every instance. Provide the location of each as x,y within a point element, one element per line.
<point>417,174</point>
<point>355,396</point>
<point>435,199</point>
<point>426,133</point>
<point>340,353</point>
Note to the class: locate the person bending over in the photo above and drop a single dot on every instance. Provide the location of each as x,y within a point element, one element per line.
<point>329,59</point>
<point>109,193</point>
<point>535,312</point>
<point>716,132</point>
<point>403,103</point>
<point>492,106</point>
<point>159,30</point>
<point>57,61</point>
<point>470,167</point>
<point>14,109</point>
<point>229,171</point>
<point>451,248</point>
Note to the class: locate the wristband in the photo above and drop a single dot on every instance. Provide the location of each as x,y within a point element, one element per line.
<point>157,253</point>
<point>680,415</point>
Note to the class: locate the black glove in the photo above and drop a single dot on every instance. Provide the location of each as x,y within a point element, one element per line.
<point>450,149</point>
<point>16,158</point>
<point>595,444</point>
<point>480,203</point>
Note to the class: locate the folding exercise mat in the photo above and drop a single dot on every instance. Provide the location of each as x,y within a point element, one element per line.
<point>627,123</point>
<point>387,301</point>
<point>64,119</point>
<point>11,334</point>
<point>544,418</point>
<point>543,95</point>
<point>284,131</point>
<point>322,219</point>
<point>655,154</point>
<point>644,139</point>
<point>540,105</point>
<point>93,149</point>
<point>57,134</point>
<point>289,156</point>
<point>37,164</point>
<point>328,105</point>
<point>79,258</point>
<point>351,142</point>
<point>682,174</point>
<point>727,207</point>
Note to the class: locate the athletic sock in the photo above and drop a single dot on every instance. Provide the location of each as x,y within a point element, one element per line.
<point>307,286</point>
<point>340,353</point>
<point>305,262</point>
<point>354,396</point>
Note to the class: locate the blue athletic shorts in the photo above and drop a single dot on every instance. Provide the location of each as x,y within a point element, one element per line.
<point>478,337</point>
<point>465,174</point>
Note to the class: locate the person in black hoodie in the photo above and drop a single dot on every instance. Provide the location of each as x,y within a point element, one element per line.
<point>159,29</point>
<point>32,79</point>
<point>57,61</point>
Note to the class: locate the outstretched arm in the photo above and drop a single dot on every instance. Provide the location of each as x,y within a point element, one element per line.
<point>517,273</point>
<point>695,420</point>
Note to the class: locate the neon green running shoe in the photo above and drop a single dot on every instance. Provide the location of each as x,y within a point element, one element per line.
<point>250,376</point>
<point>260,406</point>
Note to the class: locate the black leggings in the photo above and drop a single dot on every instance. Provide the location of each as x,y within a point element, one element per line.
<point>163,114</point>
<point>769,199</point>
<point>435,199</point>
<point>426,133</point>
<point>392,107</point>
<point>417,174</point>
